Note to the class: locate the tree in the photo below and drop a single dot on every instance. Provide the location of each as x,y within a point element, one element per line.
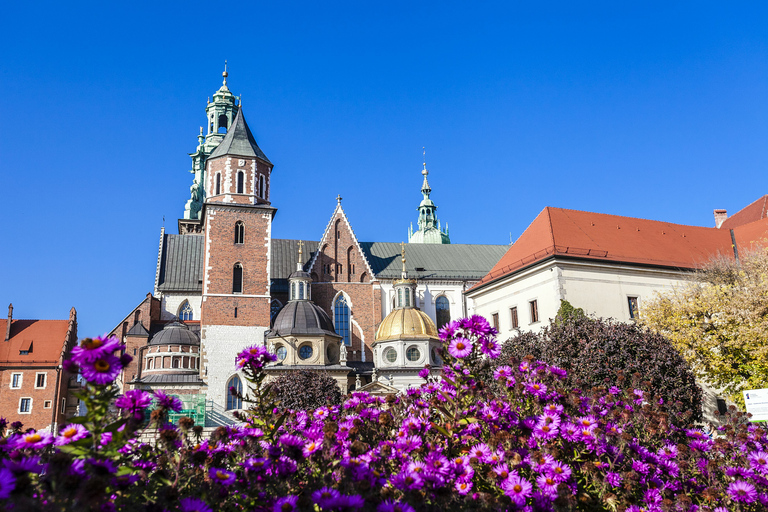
<point>598,352</point>
<point>719,322</point>
<point>305,389</point>
<point>567,311</point>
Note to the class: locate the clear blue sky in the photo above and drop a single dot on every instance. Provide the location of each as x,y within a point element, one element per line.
<point>655,109</point>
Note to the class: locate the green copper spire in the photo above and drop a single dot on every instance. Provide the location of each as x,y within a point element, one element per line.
<point>220,114</point>
<point>429,231</point>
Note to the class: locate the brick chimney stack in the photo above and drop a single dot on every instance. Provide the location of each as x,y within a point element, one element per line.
<point>720,216</point>
<point>8,325</point>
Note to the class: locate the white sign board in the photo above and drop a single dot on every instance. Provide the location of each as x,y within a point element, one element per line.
<point>757,404</point>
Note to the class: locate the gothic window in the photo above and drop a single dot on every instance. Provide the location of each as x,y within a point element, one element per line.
<point>240,182</point>
<point>239,232</point>
<point>237,278</point>
<point>341,319</point>
<point>136,317</point>
<point>274,309</point>
<point>261,186</point>
<point>218,183</point>
<point>234,402</point>
<point>185,312</point>
<point>364,277</point>
<point>223,123</point>
<point>442,311</point>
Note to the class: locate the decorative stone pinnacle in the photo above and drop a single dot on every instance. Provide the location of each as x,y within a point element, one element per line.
<point>425,171</point>
<point>298,263</point>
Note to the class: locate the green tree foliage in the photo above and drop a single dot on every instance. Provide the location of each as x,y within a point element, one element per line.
<point>598,352</point>
<point>567,311</point>
<point>305,389</point>
<point>719,322</point>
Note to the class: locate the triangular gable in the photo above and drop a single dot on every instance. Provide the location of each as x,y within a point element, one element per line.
<point>339,213</point>
<point>378,388</point>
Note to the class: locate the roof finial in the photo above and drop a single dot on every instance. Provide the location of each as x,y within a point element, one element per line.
<point>402,256</point>
<point>338,199</point>
<point>298,263</point>
<point>425,171</point>
<point>225,74</point>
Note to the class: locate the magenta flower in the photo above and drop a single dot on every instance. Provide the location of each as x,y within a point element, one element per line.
<point>321,413</point>
<point>34,440</point>
<point>463,486</point>
<point>547,484</point>
<point>613,479</point>
<point>194,505</point>
<point>545,431</point>
<point>559,471</point>
<point>394,506</point>
<point>101,370</point>
<point>286,504</point>
<point>71,433</point>
<point>7,483</point>
<point>326,498</point>
<point>311,447</point>
<point>536,388</point>
<point>518,489</point>
<point>449,330</point>
<point>490,347</point>
<point>91,349</point>
<point>134,402</point>
<point>742,491</point>
<point>170,402</point>
<point>481,452</point>
<point>759,461</point>
<point>424,373</point>
<point>460,348</point>
<point>222,476</point>
<point>256,356</point>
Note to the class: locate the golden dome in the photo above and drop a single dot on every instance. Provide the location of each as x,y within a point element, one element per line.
<point>407,323</point>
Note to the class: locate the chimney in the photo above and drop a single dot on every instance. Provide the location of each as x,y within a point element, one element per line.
<point>8,325</point>
<point>720,216</point>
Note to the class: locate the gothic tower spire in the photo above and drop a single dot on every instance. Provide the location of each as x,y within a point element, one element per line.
<point>429,231</point>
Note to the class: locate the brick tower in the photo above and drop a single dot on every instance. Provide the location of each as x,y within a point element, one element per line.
<point>236,219</point>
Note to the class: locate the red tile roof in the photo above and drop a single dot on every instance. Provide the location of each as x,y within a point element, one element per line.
<point>602,237</point>
<point>48,338</point>
<point>755,211</point>
<point>749,236</point>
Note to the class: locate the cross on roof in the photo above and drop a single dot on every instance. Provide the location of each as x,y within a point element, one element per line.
<point>338,198</point>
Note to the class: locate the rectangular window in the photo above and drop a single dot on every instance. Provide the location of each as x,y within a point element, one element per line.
<point>40,380</point>
<point>513,317</point>
<point>25,405</point>
<point>16,381</point>
<point>495,317</point>
<point>632,303</point>
<point>47,404</point>
<point>534,311</point>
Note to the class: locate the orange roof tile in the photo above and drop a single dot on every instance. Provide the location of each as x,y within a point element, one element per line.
<point>602,237</point>
<point>47,337</point>
<point>748,236</point>
<point>755,211</point>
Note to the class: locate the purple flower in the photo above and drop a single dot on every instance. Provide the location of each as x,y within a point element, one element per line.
<point>222,476</point>
<point>34,440</point>
<point>460,347</point>
<point>742,491</point>
<point>518,489</point>
<point>257,465</point>
<point>394,506</point>
<point>613,479</point>
<point>170,402</point>
<point>547,484</point>
<point>449,330</point>
<point>194,505</point>
<point>311,447</point>
<point>102,370</point>
<point>561,472</point>
<point>537,389</point>
<point>256,356</point>
<point>326,498</point>
<point>134,402</point>
<point>424,372</point>
<point>7,483</point>
<point>490,347</point>
<point>71,433</point>
<point>286,504</point>
<point>92,349</point>
<point>463,486</point>
<point>758,461</point>
<point>481,452</point>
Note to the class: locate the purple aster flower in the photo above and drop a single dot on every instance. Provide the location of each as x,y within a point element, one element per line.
<point>758,461</point>
<point>545,431</point>
<point>326,498</point>
<point>25,465</point>
<point>34,440</point>
<point>194,505</point>
<point>742,491</point>
<point>353,502</point>
<point>463,486</point>
<point>134,402</point>
<point>7,483</point>
<point>222,476</point>
<point>91,349</point>
<point>102,465</point>
<point>460,347</point>
<point>613,479</point>
<point>394,506</point>
<point>557,371</point>
<point>257,465</point>
<point>437,463</point>
<point>490,347</point>
<point>102,370</point>
<point>408,480</point>
<point>518,489</point>
<point>169,402</point>
<point>71,433</point>
<point>286,504</point>
<point>547,484</point>
<point>448,330</point>
<point>560,471</point>
<point>311,447</point>
<point>424,372</point>
<point>481,452</point>
<point>256,356</point>
<point>524,367</point>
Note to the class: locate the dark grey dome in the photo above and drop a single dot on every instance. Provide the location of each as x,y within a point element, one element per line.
<point>303,317</point>
<point>175,333</point>
<point>300,274</point>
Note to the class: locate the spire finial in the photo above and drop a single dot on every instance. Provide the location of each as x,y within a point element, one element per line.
<point>402,257</point>
<point>225,74</point>
<point>298,263</point>
<point>338,199</point>
<point>425,171</point>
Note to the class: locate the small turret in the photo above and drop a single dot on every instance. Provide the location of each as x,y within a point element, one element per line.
<point>429,231</point>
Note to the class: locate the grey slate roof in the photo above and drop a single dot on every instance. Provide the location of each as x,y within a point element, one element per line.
<point>137,330</point>
<point>181,266</point>
<point>439,261</point>
<point>239,141</point>
<point>283,261</point>
<point>189,378</point>
<point>302,317</point>
<point>175,333</point>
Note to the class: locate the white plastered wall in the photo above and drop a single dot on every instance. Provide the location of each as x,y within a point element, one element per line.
<point>171,302</point>
<point>427,293</point>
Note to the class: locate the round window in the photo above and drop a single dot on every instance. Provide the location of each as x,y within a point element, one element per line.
<point>413,354</point>
<point>305,351</point>
<point>436,358</point>
<point>281,352</point>
<point>390,355</point>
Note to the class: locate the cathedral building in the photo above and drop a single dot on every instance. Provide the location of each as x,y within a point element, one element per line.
<point>224,283</point>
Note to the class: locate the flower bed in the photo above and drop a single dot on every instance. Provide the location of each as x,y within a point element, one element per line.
<point>456,443</point>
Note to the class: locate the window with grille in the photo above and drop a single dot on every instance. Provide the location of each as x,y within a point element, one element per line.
<point>239,232</point>
<point>341,319</point>
<point>185,312</point>
<point>442,311</point>
<point>233,402</point>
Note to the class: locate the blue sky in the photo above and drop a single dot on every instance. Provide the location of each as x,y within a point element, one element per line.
<point>656,110</point>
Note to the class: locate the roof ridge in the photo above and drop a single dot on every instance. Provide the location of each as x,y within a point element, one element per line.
<point>631,218</point>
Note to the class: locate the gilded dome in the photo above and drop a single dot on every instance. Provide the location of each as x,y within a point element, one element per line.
<point>407,323</point>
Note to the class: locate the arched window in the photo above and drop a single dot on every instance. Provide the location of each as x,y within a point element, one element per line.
<point>293,291</point>
<point>239,232</point>
<point>301,290</point>
<point>237,278</point>
<point>175,362</point>
<point>223,123</point>
<point>185,312</point>
<point>261,186</point>
<point>274,309</point>
<point>234,402</point>
<point>443,311</point>
<point>218,183</point>
<point>341,319</point>
<point>240,182</point>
